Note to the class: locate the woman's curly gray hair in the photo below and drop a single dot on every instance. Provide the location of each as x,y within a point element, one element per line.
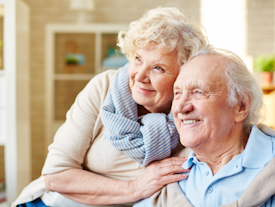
<point>167,28</point>
<point>240,84</point>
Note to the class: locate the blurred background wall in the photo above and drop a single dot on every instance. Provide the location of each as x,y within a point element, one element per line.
<point>257,34</point>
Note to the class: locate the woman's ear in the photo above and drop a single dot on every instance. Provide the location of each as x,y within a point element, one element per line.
<point>242,108</point>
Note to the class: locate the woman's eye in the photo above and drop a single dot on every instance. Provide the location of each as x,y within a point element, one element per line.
<point>177,93</point>
<point>138,59</point>
<point>159,68</point>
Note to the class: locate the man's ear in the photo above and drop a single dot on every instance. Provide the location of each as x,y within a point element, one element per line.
<point>242,108</point>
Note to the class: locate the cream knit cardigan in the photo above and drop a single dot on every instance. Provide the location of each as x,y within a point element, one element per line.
<point>80,142</point>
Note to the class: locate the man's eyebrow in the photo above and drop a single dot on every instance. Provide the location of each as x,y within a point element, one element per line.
<point>188,86</point>
<point>176,87</point>
<point>192,86</point>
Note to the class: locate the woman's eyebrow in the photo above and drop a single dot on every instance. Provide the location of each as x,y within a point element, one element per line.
<point>136,53</point>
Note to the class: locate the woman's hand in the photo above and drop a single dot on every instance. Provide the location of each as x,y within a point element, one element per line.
<point>158,174</point>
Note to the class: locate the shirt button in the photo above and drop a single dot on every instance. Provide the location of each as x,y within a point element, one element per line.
<point>210,190</point>
<point>237,166</point>
<point>206,173</point>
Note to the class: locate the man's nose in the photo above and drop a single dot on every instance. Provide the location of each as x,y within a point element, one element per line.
<point>184,108</point>
<point>184,104</point>
<point>142,75</point>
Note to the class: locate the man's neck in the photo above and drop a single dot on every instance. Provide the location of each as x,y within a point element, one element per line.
<point>216,155</point>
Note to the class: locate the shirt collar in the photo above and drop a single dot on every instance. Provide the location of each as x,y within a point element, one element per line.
<point>190,161</point>
<point>253,155</point>
<point>258,149</point>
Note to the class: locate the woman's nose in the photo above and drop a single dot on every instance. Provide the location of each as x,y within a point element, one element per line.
<point>142,75</point>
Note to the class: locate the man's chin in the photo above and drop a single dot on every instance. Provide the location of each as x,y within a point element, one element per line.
<point>187,140</point>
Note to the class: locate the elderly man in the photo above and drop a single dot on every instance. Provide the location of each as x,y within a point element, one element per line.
<point>217,104</point>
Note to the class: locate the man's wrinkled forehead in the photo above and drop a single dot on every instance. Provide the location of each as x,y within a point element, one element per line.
<point>206,68</point>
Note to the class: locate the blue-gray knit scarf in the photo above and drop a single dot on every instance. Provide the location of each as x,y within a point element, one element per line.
<point>153,140</point>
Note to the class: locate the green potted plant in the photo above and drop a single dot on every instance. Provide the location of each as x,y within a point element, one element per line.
<point>265,64</point>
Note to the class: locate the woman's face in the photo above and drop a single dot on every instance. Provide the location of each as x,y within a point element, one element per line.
<point>152,75</point>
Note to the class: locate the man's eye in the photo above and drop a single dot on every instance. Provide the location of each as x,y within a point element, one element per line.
<point>198,92</point>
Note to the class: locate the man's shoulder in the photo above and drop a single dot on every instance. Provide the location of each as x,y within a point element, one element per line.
<point>266,130</point>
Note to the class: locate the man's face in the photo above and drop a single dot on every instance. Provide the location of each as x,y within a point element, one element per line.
<point>201,113</point>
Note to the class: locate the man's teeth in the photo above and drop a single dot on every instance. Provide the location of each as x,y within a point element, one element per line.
<point>189,121</point>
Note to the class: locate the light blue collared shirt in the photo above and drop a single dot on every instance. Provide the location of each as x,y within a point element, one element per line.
<point>203,189</point>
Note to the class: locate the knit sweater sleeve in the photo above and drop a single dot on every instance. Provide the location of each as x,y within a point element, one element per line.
<point>81,127</point>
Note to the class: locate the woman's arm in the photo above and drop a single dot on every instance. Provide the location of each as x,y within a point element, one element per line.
<point>63,167</point>
<point>93,189</point>
<point>81,128</point>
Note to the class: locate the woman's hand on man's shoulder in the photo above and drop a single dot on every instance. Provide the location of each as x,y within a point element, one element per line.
<point>158,174</point>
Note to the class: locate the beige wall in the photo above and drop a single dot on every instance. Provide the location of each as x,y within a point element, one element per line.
<point>2,163</point>
<point>261,23</point>
<point>2,152</point>
<point>260,27</point>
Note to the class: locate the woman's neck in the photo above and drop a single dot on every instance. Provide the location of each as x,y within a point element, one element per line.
<point>142,111</point>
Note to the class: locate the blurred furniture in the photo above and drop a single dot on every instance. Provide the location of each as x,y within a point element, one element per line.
<point>93,43</point>
<point>269,101</point>
<point>268,89</point>
<point>14,97</point>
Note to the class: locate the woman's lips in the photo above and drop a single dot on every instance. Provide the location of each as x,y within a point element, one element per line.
<point>144,91</point>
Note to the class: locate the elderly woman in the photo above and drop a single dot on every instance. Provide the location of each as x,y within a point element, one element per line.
<point>121,122</point>
<point>217,104</point>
